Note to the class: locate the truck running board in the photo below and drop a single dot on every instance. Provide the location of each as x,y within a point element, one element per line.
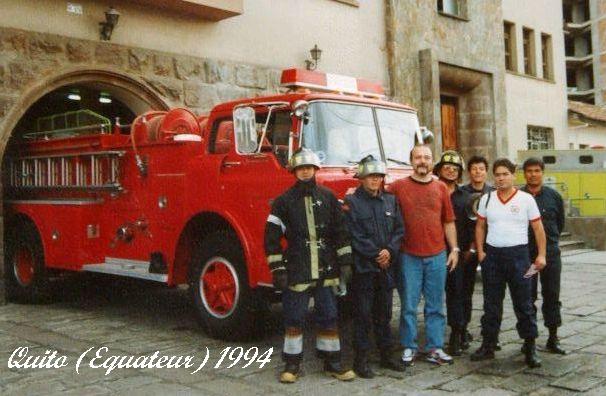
<point>126,267</point>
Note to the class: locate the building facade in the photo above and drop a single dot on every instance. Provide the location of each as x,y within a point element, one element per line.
<point>535,78</point>
<point>585,41</point>
<point>446,58</point>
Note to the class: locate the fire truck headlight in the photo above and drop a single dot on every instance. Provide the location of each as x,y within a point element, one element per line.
<point>299,108</point>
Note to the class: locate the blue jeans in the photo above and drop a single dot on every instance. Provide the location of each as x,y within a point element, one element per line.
<point>425,275</point>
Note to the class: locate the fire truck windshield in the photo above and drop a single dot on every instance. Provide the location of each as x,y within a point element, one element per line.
<point>342,134</point>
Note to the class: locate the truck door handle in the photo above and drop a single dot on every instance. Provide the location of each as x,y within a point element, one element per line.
<point>229,164</point>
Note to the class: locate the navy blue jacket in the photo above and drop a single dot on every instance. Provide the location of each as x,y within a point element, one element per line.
<point>375,223</point>
<point>551,206</point>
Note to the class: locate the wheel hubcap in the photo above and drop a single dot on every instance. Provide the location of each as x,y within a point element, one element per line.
<point>24,266</point>
<point>219,287</point>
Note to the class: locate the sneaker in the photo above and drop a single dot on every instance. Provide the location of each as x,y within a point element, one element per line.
<point>438,356</point>
<point>408,356</point>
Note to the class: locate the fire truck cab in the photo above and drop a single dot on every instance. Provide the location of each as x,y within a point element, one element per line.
<point>183,199</point>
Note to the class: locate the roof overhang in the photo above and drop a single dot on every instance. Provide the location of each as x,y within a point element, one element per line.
<point>211,10</point>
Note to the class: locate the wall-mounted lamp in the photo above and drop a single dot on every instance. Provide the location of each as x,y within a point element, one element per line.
<point>316,53</point>
<point>111,20</point>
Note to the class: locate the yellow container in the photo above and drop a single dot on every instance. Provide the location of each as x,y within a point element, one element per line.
<point>578,175</point>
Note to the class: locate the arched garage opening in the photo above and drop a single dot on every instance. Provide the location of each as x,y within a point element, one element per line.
<point>99,94</point>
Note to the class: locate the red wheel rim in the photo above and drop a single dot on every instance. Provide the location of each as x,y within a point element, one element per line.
<point>24,266</point>
<point>219,287</point>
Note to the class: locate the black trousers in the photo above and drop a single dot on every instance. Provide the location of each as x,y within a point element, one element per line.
<point>550,291</point>
<point>470,270</point>
<point>506,267</point>
<point>373,301</point>
<point>455,307</point>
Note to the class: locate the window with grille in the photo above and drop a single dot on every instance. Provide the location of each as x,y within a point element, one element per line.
<point>540,138</point>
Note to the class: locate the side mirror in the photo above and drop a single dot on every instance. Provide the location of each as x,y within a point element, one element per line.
<point>424,135</point>
<point>245,130</point>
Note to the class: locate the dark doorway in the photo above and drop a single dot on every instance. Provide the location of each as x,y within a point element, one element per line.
<point>71,98</point>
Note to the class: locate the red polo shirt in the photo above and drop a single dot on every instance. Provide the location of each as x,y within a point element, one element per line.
<point>425,208</point>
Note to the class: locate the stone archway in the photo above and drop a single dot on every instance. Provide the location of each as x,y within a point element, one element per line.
<point>135,93</point>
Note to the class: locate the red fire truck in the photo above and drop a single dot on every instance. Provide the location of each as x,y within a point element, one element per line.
<point>183,199</point>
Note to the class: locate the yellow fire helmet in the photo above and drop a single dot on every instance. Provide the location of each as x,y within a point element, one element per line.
<point>304,157</point>
<point>369,165</point>
<point>450,157</point>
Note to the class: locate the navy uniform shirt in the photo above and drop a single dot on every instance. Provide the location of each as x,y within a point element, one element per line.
<point>470,229</point>
<point>375,223</point>
<point>464,225</point>
<point>551,206</point>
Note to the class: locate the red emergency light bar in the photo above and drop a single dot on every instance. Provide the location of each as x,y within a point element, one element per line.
<point>300,78</point>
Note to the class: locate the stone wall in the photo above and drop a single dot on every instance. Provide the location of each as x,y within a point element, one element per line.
<point>196,83</point>
<point>419,40</point>
<point>589,229</point>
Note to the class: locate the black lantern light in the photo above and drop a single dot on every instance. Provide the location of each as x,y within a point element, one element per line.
<point>111,20</point>
<point>316,53</point>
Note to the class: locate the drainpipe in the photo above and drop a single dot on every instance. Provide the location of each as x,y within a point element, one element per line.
<point>390,44</point>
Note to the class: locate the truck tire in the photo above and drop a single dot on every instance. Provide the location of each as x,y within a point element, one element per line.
<point>226,306</point>
<point>25,272</point>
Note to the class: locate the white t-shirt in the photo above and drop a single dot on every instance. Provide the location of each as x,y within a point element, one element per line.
<point>508,220</point>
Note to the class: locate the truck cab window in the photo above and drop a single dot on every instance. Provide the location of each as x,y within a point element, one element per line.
<point>281,127</point>
<point>278,131</point>
<point>223,137</point>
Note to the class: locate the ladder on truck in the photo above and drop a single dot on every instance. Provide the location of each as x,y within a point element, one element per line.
<point>95,170</point>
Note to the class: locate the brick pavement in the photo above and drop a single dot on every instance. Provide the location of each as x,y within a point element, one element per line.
<point>133,318</point>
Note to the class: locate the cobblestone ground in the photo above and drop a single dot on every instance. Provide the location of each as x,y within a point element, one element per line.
<point>133,318</point>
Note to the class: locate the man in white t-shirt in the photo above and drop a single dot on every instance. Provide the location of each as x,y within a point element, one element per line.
<point>504,260</point>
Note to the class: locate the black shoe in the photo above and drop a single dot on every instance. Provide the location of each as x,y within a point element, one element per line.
<point>362,367</point>
<point>454,344</point>
<point>485,352</point>
<point>391,363</point>
<point>553,346</point>
<point>530,354</point>
<point>333,368</point>
<point>466,338</point>
<point>497,345</point>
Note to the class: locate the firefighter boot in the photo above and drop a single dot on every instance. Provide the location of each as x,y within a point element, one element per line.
<point>454,343</point>
<point>333,367</point>
<point>485,352</point>
<point>530,353</point>
<point>361,365</point>
<point>291,370</point>
<point>553,342</point>
<point>390,362</point>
